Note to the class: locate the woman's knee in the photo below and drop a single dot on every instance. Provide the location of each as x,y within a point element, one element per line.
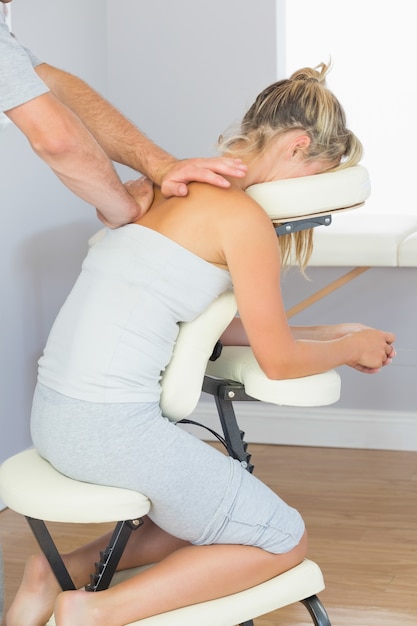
<point>299,552</point>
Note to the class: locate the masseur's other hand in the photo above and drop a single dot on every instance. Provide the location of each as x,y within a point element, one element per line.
<point>373,350</point>
<point>211,170</point>
<point>143,192</point>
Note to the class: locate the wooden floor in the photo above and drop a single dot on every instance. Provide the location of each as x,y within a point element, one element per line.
<point>360,508</point>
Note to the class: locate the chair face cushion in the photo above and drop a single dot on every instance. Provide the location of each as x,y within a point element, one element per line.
<point>311,195</point>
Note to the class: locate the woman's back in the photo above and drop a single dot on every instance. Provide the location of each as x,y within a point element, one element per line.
<point>117,329</point>
<point>198,221</point>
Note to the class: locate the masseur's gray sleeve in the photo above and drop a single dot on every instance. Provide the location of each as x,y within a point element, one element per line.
<point>19,83</point>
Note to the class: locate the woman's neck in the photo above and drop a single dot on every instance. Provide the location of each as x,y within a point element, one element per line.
<point>254,172</point>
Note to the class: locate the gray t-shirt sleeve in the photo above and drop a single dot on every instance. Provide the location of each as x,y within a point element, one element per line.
<point>19,83</point>
<point>32,57</point>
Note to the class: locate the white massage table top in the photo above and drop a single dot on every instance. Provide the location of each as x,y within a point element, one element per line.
<point>365,239</point>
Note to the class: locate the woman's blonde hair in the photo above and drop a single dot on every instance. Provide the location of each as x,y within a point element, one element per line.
<point>301,102</point>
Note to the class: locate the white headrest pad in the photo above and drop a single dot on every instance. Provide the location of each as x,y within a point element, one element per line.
<point>322,193</point>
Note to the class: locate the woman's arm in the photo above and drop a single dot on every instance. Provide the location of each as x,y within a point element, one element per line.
<point>251,250</point>
<point>235,335</point>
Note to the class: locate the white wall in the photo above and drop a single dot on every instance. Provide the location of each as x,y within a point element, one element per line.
<point>185,70</point>
<point>373,48</point>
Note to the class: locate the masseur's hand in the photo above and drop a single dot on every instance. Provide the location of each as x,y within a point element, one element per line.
<point>143,192</point>
<point>209,170</point>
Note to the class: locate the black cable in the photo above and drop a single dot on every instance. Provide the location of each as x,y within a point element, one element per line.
<point>222,440</point>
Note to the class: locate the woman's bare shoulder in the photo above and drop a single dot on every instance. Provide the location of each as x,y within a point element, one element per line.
<point>232,202</point>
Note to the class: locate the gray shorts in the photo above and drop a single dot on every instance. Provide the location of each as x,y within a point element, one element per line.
<point>197,493</point>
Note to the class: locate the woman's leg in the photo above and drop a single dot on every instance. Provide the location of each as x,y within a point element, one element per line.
<point>34,601</point>
<point>198,495</point>
<point>235,334</point>
<point>189,575</point>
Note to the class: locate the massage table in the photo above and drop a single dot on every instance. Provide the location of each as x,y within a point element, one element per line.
<point>361,242</point>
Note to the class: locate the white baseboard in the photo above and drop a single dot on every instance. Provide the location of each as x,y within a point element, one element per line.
<point>323,426</point>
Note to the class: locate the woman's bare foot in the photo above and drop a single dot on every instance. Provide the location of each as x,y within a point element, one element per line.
<point>34,602</point>
<point>79,607</point>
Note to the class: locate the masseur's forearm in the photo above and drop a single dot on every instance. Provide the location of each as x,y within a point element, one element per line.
<point>119,138</point>
<point>64,143</point>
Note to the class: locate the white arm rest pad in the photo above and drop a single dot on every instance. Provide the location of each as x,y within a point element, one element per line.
<point>309,195</point>
<point>238,363</point>
<point>183,377</point>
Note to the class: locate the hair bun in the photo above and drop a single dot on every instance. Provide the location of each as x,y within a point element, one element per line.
<point>316,74</point>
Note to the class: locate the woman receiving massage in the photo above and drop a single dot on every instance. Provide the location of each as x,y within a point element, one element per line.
<point>213,528</point>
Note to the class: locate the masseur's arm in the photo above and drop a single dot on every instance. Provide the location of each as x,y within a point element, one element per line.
<point>125,144</point>
<point>60,139</point>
